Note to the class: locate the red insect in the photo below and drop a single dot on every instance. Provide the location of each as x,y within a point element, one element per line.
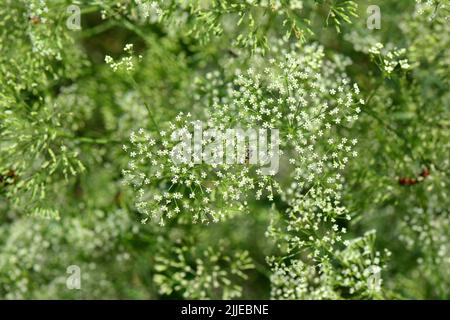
<point>407,181</point>
<point>412,181</point>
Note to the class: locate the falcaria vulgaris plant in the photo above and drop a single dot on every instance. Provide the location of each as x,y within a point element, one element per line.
<point>224,150</point>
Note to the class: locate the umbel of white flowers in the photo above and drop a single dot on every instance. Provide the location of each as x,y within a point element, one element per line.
<point>231,146</point>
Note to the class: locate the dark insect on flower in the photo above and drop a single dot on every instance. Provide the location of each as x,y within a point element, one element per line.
<point>412,181</point>
<point>9,178</point>
<point>407,181</point>
<point>35,19</point>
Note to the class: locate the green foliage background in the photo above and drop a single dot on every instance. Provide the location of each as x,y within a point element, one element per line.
<point>65,114</point>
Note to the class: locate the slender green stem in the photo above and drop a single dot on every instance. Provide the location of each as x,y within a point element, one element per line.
<point>89,140</point>
<point>150,113</point>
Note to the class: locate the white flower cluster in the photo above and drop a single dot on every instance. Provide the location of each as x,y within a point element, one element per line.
<point>389,60</point>
<point>40,28</point>
<point>431,229</point>
<point>114,9</point>
<point>37,9</point>
<point>355,270</point>
<point>35,254</point>
<point>125,63</point>
<point>430,7</point>
<point>361,40</point>
<point>149,10</point>
<point>301,94</point>
<point>166,188</point>
<point>214,273</point>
